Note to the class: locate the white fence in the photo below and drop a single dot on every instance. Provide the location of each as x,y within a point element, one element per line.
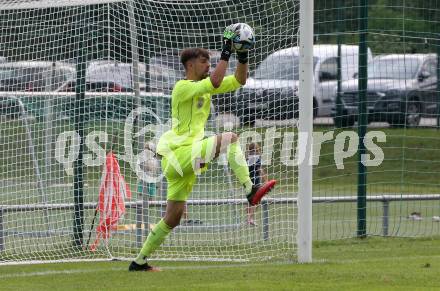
<point>142,216</point>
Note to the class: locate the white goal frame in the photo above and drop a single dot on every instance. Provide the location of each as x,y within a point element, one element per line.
<point>305,128</point>
<point>304,234</point>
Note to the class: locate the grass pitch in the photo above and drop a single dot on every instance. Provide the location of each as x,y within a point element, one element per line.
<point>369,264</point>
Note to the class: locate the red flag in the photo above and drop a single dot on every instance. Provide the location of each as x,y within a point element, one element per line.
<point>111,203</point>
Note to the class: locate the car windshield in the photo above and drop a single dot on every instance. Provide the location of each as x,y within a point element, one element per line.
<point>119,73</point>
<point>6,73</point>
<point>402,68</point>
<point>164,75</point>
<point>165,72</point>
<point>280,68</point>
<point>171,62</point>
<point>21,79</point>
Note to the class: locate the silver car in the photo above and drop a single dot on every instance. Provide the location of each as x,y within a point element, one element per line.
<point>34,75</point>
<point>109,76</point>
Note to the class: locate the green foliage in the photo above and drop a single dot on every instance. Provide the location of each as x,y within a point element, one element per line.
<point>57,33</point>
<point>394,27</point>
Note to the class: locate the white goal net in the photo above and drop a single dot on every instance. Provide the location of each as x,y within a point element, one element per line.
<point>86,84</point>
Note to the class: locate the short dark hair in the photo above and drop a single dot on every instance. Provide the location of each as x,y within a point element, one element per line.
<point>193,53</point>
<point>253,146</point>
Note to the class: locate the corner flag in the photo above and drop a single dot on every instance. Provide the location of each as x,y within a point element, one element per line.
<point>111,201</point>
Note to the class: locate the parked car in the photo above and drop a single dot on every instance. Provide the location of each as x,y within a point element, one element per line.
<point>166,69</point>
<point>271,93</point>
<point>108,76</point>
<point>34,75</point>
<point>401,88</point>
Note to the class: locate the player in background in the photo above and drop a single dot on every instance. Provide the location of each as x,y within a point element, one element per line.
<point>150,166</point>
<point>256,172</point>
<point>184,150</point>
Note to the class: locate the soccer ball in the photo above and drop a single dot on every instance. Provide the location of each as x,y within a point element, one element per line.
<point>245,38</point>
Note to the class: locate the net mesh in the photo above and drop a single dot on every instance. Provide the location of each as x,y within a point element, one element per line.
<point>55,137</point>
<point>400,103</point>
<point>124,54</point>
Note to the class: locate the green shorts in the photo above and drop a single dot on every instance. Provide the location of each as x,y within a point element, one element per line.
<point>182,166</point>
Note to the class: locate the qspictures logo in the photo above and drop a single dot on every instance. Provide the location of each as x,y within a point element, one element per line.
<point>292,146</point>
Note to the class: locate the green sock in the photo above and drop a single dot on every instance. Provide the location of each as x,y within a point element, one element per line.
<point>154,240</point>
<point>238,164</point>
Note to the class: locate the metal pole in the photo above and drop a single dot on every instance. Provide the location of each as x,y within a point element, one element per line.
<point>339,39</point>
<point>134,51</point>
<point>438,80</point>
<point>48,124</point>
<point>135,73</point>
<point>265,209</point>
<point>385,218</point>
<point>143,215</point>
<point>2,239</point>
<point>80,88</point>
<point>362,120</point>
<point>135,62</point>
<point>139,225</point>
<point>304,237</point>
<point>40,184</point>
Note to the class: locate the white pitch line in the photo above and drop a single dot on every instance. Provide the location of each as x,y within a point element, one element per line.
<point>344,261</point>
<point>55,272</point>
<point>71,272</point>
<point>315,262</point>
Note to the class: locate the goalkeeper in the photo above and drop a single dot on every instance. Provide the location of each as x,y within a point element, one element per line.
<point>184,150</point>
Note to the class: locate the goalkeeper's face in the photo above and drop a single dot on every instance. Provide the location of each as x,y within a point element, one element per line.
<point>201,66</point>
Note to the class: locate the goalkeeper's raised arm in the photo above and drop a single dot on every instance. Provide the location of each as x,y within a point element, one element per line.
<point>220,69</point>
<point>230,36</point>
<point>241,71</point>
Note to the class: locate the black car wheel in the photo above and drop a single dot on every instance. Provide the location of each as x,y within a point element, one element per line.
<point>413,114</point>
<point>10,108</point>
<point>248,120</point>
<point>289,110</point>
<point>315,108</point>
<point>344,121</point>
<point>247,116</point>
<point>410,117</point>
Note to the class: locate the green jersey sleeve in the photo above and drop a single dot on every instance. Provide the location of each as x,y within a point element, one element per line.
<point>188,90</point>
<point>228,84</point>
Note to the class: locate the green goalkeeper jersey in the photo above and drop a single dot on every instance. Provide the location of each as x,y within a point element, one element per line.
<point>190,107</point>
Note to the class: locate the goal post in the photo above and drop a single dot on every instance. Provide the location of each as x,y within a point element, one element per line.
<point>104,70</point>
<point>304,236</point>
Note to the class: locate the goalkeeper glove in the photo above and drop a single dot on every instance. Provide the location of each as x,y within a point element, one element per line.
<point>242,57</point>
<point>228,36</point>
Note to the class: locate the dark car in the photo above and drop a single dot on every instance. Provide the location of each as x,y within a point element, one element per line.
<point>401,89</point>
<point>272,92</point>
